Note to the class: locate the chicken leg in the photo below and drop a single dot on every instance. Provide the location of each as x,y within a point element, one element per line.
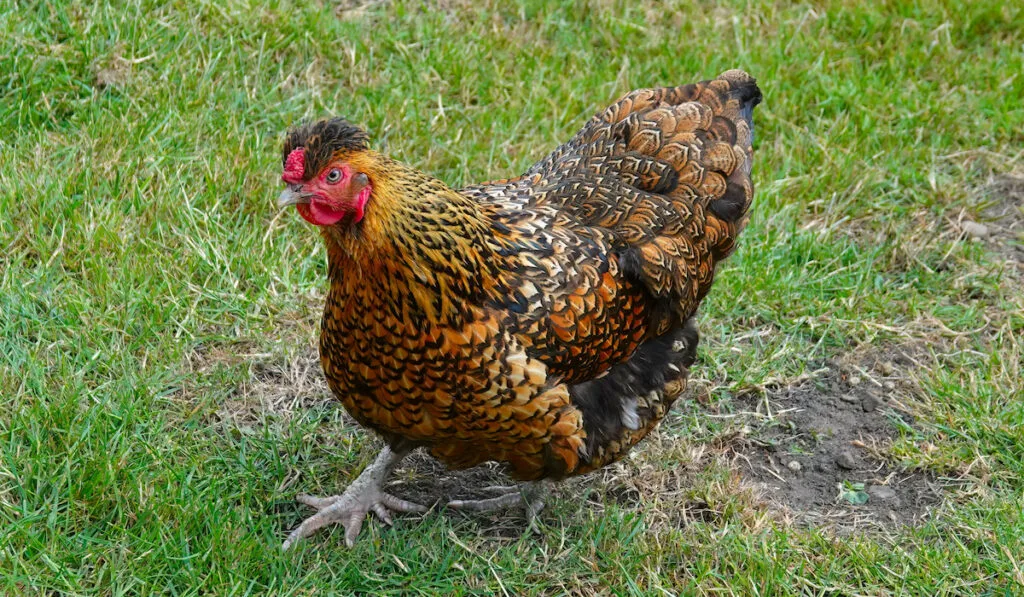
<point>530,494</point>
<point>365,494</point>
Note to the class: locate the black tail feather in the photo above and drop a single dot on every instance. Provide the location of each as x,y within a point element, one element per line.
<point>602,401</point>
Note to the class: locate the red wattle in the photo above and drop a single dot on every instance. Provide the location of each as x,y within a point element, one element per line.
<point>318,214</point>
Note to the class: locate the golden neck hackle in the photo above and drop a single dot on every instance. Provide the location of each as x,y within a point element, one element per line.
<point>421,243</point>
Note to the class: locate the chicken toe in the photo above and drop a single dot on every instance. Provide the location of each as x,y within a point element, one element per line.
<point>364,495</point>
<point>530,495</point>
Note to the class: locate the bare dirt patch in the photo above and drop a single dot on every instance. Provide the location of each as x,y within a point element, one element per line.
<point>1004,216</point>
<point>279,390</point>
<point>116,71</point>
<point>817,448</point>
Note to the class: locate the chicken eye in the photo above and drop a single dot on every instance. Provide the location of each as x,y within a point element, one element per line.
<point>333,176</point>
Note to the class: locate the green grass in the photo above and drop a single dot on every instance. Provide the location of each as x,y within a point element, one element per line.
<point>146,283</point>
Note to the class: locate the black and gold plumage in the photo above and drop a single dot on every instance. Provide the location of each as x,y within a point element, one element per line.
<point>545,321</point>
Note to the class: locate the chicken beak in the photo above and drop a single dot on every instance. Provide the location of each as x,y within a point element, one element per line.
<point>291,196</point>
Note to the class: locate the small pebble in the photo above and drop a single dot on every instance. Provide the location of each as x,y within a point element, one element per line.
<point>888,385</point>
<point>845,460</point>
<point>974,229</point>
<point>881,492</point>
<point>869,404</point>
<point>853,380</point>
<point>794,466</point>
<point>849,398</point>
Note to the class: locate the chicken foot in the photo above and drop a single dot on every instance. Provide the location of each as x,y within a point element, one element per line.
<point>530,495</point>
<point>364,495</point>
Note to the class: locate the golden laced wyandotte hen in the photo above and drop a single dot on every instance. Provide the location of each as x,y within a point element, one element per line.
<point>545,321</point>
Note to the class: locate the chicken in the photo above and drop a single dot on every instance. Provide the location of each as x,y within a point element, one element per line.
<point>545,322</point>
